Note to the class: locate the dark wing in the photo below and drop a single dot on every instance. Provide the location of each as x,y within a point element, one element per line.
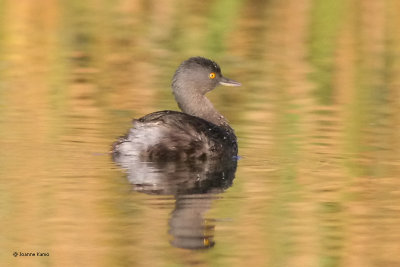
<point>172,135</point>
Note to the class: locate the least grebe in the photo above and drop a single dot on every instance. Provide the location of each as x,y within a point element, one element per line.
<point>200,132</point>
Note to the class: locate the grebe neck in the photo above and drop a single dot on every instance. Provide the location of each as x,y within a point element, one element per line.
<point>200,106</point>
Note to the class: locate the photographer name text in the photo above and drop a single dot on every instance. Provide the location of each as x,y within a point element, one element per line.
<point>31,254</point>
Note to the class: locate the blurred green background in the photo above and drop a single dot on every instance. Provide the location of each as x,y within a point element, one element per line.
<point>317,119</point>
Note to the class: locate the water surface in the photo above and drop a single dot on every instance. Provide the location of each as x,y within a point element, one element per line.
<point>317,120</point>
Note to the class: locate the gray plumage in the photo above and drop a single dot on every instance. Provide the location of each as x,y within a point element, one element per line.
<point>200,132</point>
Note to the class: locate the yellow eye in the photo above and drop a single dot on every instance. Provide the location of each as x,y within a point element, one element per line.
<point>211,75</point>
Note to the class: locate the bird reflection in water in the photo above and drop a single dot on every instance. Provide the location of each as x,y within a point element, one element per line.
<point>190,155</point>
<point>194,186</point>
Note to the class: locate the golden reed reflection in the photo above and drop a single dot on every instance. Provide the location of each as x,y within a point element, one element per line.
<point>317,121</point>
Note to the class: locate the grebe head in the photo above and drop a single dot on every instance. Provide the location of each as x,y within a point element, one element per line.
<point>197,76</point>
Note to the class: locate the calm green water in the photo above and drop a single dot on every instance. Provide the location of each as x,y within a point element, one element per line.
<point>317,120</point>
